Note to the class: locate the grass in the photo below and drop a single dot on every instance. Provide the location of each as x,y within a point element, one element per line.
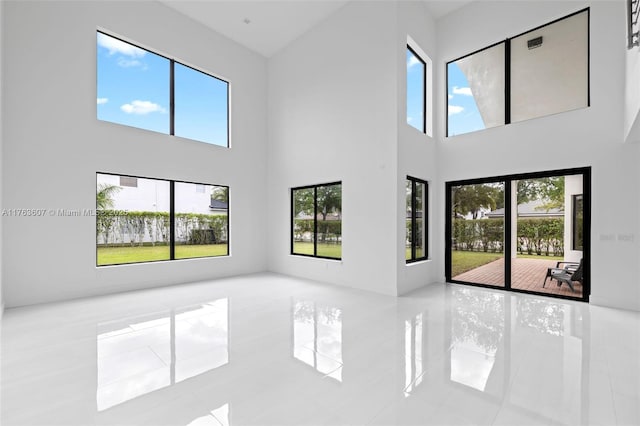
<point>120,255</point>
<point>463,261</point>
<point>407,254</point>
<point>325,250</point>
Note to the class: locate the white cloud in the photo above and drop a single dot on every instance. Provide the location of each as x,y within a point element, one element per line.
<point>412,61</point>
<point>141,107</point>
<point>455,109</point>
<point>409,119</point>
<point>466,91</point>
<point>450,96</point>
<point>102,101</point>
<point>114,45</point>
<point>126,63</point>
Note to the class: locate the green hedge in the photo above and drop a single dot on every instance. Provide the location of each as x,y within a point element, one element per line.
<point>328,230</point>
<point>541,236</point>
<point>139,228</point>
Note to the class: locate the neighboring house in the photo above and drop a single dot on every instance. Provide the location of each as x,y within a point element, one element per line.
<point>139,194</point>
<point>531,209</point>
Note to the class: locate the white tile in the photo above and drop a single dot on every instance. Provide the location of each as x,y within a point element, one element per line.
<point>240,351</point>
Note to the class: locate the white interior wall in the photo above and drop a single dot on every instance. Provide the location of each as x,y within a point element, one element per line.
<point>2,26</point>
<point>330,118</point>
<point>54,145</point>
<point>417,152</point>
<point>333,116</point>
<point>584,137</point>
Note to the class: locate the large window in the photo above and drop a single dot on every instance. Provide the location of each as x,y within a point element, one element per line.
<point>159,220</point>
<point>416,90</point>
<point>540,72</point>
<point>139,88</point>
<point>317,221</point>
<point>416,220</point>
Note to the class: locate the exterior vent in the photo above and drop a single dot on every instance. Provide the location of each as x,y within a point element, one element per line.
<point>534,42</point>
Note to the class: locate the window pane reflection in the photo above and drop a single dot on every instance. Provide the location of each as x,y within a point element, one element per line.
<point>317,337</point>
<point>140,356</point>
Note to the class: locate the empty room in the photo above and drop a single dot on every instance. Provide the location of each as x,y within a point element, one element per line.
<point>319,212</point>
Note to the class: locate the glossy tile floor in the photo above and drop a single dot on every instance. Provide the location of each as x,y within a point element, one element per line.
<point>272,350</point>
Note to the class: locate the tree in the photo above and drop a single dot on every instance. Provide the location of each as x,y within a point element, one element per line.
<point>329,200</point>
<point>220,193</point>
<point>472,198</point>
<point>104,196</point>
<point>550,190</point>
<point>303,201</point>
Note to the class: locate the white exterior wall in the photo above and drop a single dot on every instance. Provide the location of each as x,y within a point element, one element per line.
<point>333,117</point>
<point>632,96</point>
<point>54,145</point>
<point>572,186</point>
<point>584,137</point>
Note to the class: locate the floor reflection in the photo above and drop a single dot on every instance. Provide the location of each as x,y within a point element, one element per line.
<point>144,354</point>
<point>501,342</point>
<point>217,417</point>
<point>317,337</point>
<point>413,353</point>
<point>478,327</point>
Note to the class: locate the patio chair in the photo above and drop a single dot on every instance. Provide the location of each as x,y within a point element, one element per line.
<point>570,272</point>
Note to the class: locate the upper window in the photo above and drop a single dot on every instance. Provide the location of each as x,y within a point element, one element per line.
<point>416,219</point>
<point>540,72</point>
<point>139,88</point>
<point>416,90</point>
<point>317,221</point>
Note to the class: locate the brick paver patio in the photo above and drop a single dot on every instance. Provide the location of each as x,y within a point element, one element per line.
<point>527,274</point>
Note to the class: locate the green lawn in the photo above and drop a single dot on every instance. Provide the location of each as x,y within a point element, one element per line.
<point>120,255</point>
<point>463,261</point>
<point>325,250</point>
<point>407,254</point>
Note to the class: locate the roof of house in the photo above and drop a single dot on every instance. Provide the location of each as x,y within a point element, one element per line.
<point>530,209</point>
<point>218,205</point>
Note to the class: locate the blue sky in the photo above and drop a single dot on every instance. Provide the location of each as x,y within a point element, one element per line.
<point>133,89</point>
<point>415,91</point>
<point>463,113</point>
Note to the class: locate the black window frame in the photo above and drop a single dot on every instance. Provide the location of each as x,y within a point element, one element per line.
<point>508,179</point>
<point>424,91</point>
<point>507,68</point>
<point>172,62</point>
<point>172,221</point>
<point>315,219</point>
<point>425,222</point>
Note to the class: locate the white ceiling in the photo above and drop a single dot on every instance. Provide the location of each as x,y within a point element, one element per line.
<point>273,24</point>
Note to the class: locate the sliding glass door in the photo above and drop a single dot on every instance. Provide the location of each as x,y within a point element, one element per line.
<point>477,242</point>
<point>527,233</point>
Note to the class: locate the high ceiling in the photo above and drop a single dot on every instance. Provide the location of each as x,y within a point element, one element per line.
<point>266,26</point>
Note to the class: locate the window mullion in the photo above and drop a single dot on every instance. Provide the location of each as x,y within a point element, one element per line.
<point>507,81</point>
<point>172,105</point>
<point>172,221</point>
<point>315,221</point>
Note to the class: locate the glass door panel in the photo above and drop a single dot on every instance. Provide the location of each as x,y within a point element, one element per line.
<point>547,229</point>
<point>477,233</point>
